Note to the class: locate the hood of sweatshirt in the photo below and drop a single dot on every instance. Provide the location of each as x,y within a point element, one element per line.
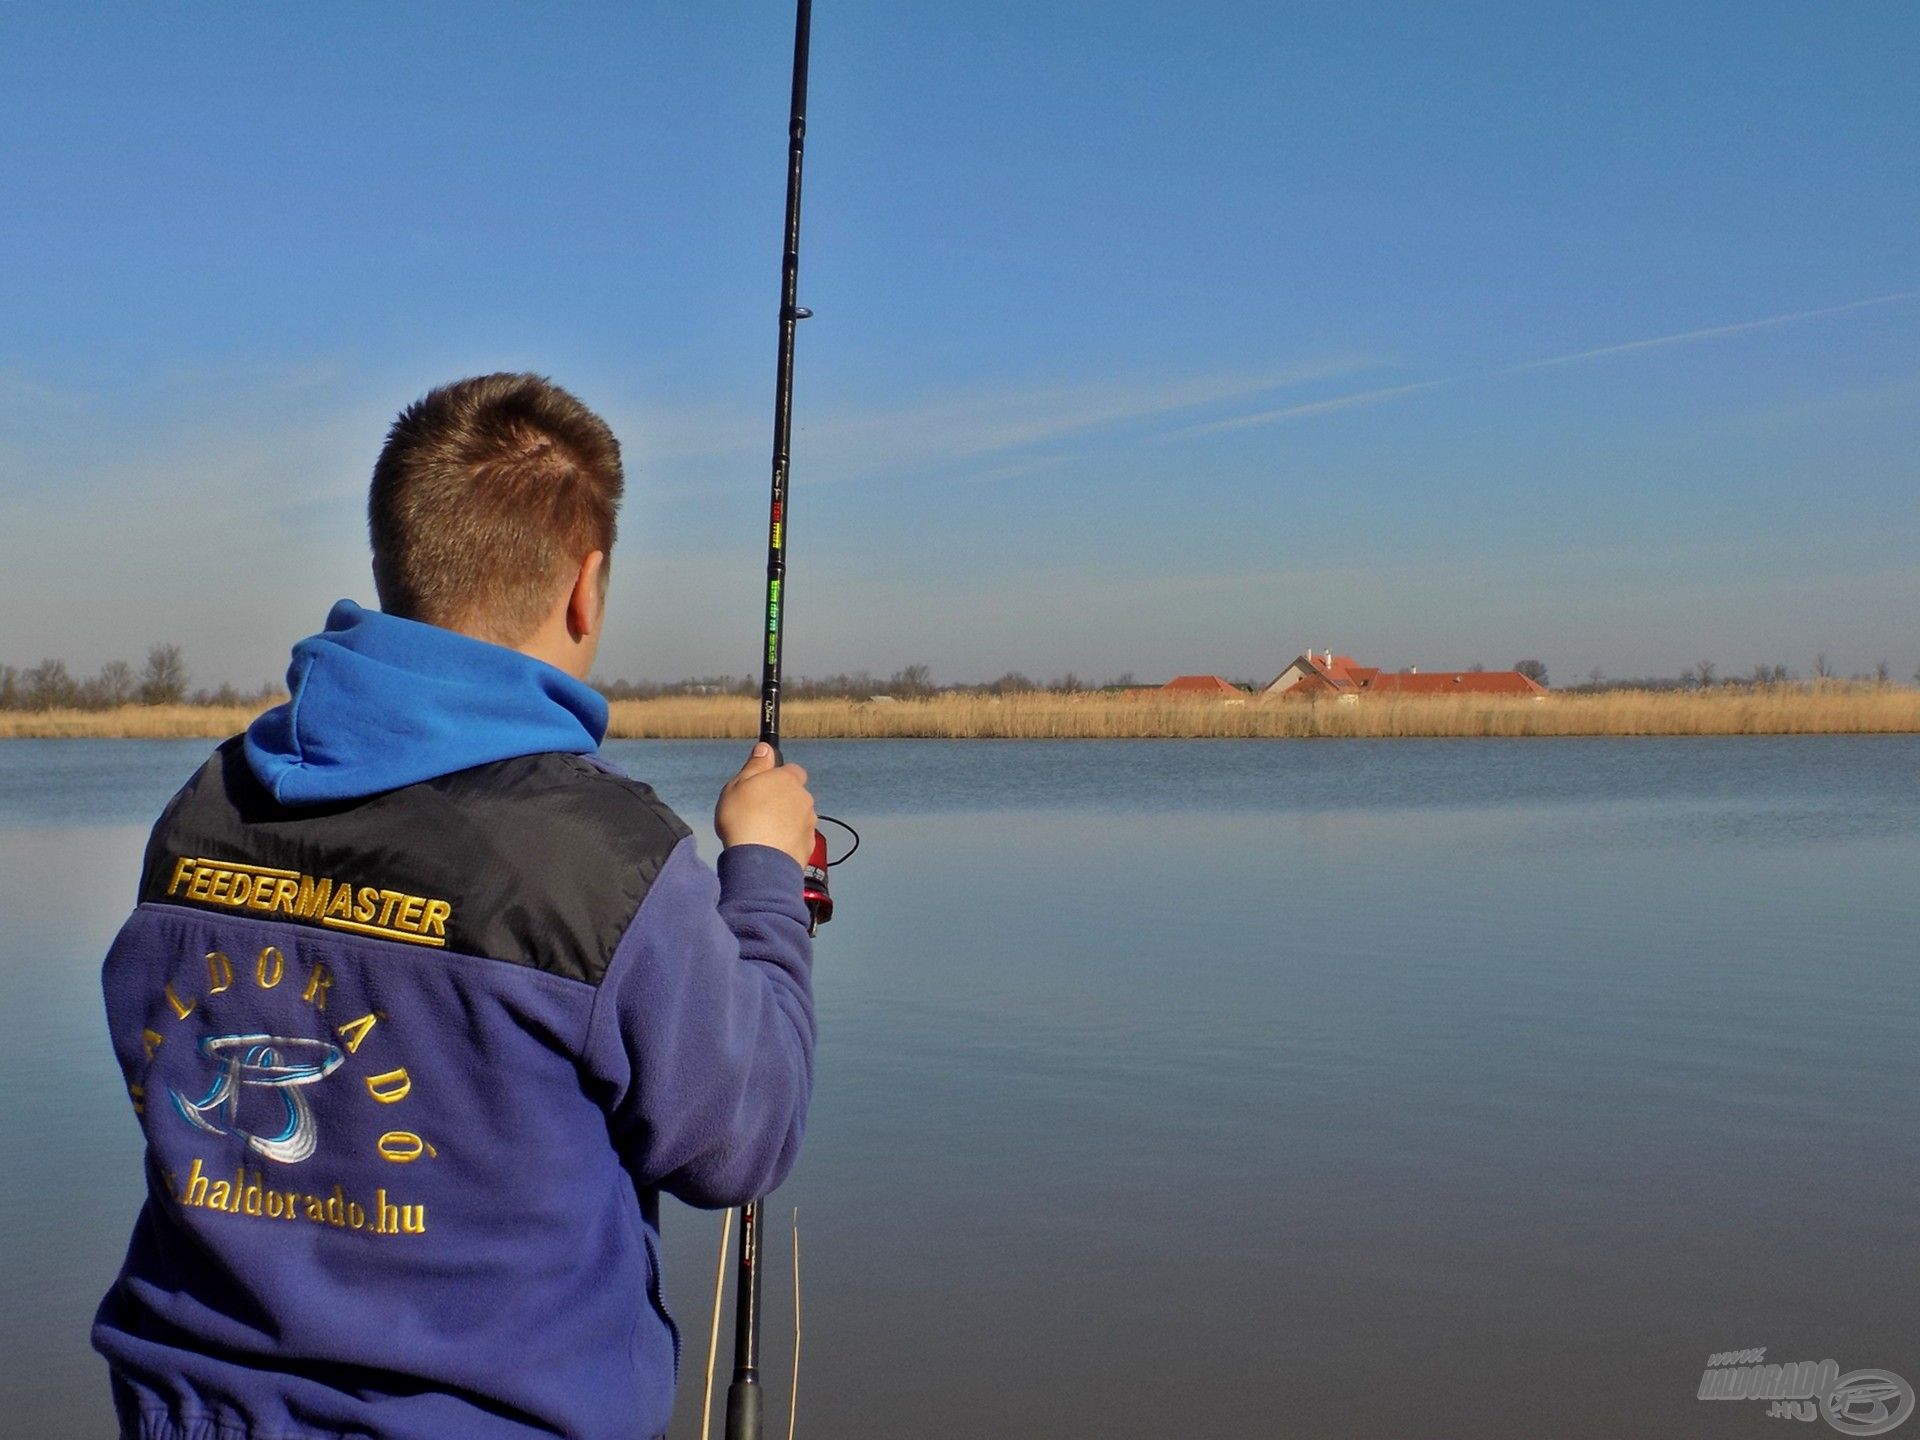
<point>377,702</point>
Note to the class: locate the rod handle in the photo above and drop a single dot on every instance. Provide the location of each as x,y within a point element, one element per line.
<point>743,1410</point>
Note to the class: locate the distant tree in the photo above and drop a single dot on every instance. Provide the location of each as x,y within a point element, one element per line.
<point>1596,677</point>
<point>1533,670</point>
<point>1476,668</point>
<point>1067,684</point>
<point>911,680</point>
<point>9,688</point>
<point>620,689</point>
<point>1822,669</point>
<point>225,695</point>
<point>857,686</point>
<point>164,680</point>
<point>1882,673</point>
<point>1703,671</point>
<point>1124,681</point>
<point>114,686</point>
<point>797,687</point>
<point>1011,683</point>
<point>48,686</point>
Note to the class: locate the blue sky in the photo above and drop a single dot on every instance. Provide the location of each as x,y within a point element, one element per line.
<point>1149,338</point>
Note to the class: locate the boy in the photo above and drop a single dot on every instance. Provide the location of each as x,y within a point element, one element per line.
<point>424,1004</point>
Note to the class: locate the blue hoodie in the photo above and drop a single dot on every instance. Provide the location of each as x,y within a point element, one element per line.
<point>376,702</point>
<point>423,1006</point>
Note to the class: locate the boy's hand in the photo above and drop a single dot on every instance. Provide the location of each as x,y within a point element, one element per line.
<point>767,804</point>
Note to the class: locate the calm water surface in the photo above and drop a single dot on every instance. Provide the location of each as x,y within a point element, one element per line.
<point>1349,1088</point>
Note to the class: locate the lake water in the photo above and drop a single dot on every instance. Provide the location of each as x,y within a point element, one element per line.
<point>1346,1088</point>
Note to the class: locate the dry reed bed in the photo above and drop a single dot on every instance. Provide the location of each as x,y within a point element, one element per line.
<point>1802,710</point>
<point>1799,711</point>
<point>130,722</point>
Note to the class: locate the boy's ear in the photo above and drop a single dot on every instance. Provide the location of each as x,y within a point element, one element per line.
<point>587,602</point>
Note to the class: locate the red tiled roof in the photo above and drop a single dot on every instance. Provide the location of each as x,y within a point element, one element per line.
<point>1335,674</point>
<point>1345,676</point>
<point>1201,684</point>
<point>1455,682</point>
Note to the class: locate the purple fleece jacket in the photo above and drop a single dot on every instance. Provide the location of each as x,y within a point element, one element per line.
<point>403,1189</point>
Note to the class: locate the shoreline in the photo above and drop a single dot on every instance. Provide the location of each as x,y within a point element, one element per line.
<point>1835,708</point>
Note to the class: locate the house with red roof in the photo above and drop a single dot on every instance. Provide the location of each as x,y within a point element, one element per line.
<point>1455,682</point>
<point>1190,685</point>
<point>1341,677</point>
<point>1325,673</point>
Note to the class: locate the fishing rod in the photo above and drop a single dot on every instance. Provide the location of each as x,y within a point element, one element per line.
<point>744,1394</point>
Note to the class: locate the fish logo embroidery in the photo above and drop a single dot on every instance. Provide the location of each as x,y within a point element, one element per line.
<point>283,1065</point>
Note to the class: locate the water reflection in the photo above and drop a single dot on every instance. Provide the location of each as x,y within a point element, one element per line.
<point>1384,1091</point>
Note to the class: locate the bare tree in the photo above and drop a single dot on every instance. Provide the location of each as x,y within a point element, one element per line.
<point>1822,669</point>
<point>1704,670</point>
<point>164,681</point>
<point>1595,676</point>
<point>1882,673</point>
<point>911,680</point>
<point>9,688</point>
<point>48,686</point>
<point>857,686</point>
<point>1533,670</point>
<point>114,686</point>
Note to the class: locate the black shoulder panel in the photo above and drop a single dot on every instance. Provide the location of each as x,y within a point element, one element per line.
<point>540,860</point>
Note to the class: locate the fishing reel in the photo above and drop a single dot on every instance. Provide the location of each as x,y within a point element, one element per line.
<point>813,881</point>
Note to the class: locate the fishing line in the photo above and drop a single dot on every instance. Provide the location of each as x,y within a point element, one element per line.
<point>833,820</point>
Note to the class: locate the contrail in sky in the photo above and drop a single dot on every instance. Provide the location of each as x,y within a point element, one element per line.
<point>1372,397</point>
<point>1712,332</point>
<point>1312,407</point>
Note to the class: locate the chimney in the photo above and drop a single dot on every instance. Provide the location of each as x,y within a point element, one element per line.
<point>1329,655</point>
